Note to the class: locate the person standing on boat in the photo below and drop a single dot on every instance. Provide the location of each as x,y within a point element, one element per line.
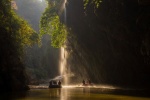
<point>89,81</point>
<point>83,82</point>
<point>59,83</point>
<point>50,83</point>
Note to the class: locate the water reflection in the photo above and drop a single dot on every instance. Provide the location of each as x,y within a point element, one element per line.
<point>89,93</point>
<point>58,93</point>
<point>68,93</point>
<point>64,94</point>
<point>55,92</point>
<point>77,93</point>
<point>12,95</point>
<point>86,91</point>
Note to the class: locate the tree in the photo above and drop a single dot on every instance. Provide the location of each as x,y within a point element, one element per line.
<point>15,34</point>
<point>50,24</point>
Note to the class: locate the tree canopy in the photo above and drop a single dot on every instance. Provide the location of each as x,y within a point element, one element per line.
<point>50,21</point>
<point>50,24</point>
<point>15,34</point>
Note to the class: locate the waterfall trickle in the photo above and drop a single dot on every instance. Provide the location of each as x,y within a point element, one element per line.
<point>63,54</point>
<point>63,65</point>
<point>65,11</point>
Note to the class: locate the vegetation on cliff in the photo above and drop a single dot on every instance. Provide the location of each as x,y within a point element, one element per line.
<point>15,34</point>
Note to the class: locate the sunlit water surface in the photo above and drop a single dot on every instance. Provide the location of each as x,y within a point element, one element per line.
<point>77,93</point>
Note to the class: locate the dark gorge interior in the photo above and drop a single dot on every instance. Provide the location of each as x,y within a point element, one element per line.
<point>110,44</point>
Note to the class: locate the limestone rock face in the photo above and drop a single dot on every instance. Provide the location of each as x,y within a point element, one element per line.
<point>112,42</point>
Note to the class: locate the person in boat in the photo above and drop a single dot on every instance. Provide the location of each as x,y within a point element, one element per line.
<point>89,81</point>
<point>54,84</point>
<point>83,82</point>
<point>59,83</point>
<point>51,83</point>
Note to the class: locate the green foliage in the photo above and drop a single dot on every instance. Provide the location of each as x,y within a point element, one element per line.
<point>17,30</point>
<point>41,62</point>
<point>25,35</point>
<point>85,3</point>
<point>50,24</point>
<point>15,34</point>
<point>95,2</point>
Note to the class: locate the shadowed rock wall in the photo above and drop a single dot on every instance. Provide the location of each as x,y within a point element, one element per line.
<point>110,44</point>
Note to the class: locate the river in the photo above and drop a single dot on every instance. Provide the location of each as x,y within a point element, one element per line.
<point>77,93</point>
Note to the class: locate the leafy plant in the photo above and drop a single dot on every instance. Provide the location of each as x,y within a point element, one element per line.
<point>50,24</point>
<point>95,2</point>
<point>15,34</point>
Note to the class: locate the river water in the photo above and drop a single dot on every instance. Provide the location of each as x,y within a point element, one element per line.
<point>77,93</point>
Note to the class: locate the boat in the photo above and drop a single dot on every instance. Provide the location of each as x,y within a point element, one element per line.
<point>55,84</point>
